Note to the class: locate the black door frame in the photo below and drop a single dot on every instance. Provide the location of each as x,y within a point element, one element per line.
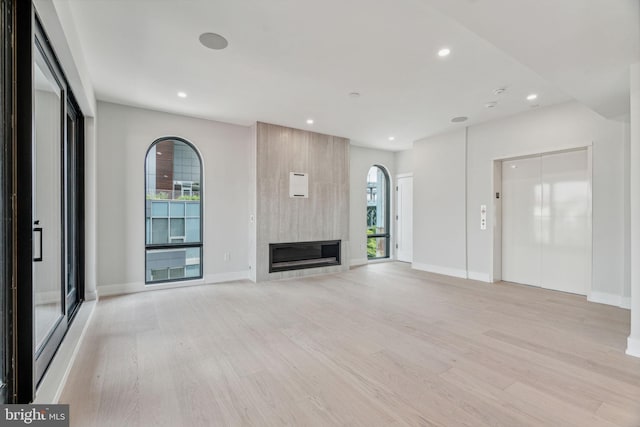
<point>23,327</point>
<point>26,371</point>
<point>6,190</point>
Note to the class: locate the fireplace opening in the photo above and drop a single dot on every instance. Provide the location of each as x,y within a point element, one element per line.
<point>299,255</point>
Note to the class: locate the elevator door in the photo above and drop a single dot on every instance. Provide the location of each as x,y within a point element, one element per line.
<point>546,221</point>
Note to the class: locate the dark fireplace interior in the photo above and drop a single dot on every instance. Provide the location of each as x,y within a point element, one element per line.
<point>296,256</point>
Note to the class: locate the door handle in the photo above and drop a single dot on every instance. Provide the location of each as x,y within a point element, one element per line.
<point>37,243</point>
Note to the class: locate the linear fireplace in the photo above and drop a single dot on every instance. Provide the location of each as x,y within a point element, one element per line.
<point>299,255</point>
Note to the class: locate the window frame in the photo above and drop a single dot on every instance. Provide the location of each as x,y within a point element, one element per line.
<point>387,207</point>
<point>176,245</point>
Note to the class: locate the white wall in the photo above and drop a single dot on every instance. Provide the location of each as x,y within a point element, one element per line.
<point>439,162</point>
<point>404,162</point>
<point>361,160</point>
<point>124,135</point>
<point>439,204</point>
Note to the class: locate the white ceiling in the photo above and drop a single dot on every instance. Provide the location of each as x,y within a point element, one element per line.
<point>289,60</point>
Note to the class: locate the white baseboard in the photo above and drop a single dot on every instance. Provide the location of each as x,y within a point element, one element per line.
<point>481,277</point>
<point>633,347</point>
<point>90,295</point>
<point>133,287</point>
<point>56,376</point>
<point>440,270</point>
<point>610,299</point>
<point>358,261</point>
<point>227,277</point>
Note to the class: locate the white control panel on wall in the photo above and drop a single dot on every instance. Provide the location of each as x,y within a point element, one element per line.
<point>298,185</point>
<point>483,217</point>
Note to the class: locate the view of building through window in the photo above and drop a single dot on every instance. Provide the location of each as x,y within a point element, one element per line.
<point>377,213</point>
<point>173,214</point>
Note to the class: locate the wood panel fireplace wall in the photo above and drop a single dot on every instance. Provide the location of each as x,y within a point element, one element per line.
<point>301,255</point>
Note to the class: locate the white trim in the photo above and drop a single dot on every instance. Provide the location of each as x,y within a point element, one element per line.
<point>380,260</point>
<point>133,287</point>
<point>633,347</point>
<point>481,277</point>
<point>56,376</point>
<point>404,175</point>
<point>227,277</point>
<point>90,295</point>
<point>542,151</point>
<point>609,299</point>
<point>447,271</point>
<point>358,261</point>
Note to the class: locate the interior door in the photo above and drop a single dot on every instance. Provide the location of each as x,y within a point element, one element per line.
<point>49,296</point>
<point>405,219</point>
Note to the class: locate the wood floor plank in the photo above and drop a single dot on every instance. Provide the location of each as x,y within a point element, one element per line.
<point>380,345</point>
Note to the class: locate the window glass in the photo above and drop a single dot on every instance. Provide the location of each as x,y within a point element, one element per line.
<point>377,213</point>
<point>173,211</point>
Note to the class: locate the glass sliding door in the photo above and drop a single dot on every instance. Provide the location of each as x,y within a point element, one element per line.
<point>74,202</point>
<point>49,300</point>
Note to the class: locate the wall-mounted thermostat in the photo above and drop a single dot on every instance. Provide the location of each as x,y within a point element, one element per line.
<point>298,185</point>
<point>483,217</point>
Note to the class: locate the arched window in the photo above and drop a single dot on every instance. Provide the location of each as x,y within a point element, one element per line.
<point>377,213</point>
<point>173,211</point>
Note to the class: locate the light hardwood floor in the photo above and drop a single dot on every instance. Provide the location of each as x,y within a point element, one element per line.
<point>378,345</point>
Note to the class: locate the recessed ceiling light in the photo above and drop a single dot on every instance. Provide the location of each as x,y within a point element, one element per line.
<point>492,104</point>
<point>500,91</point>
<point>445,51</point>
<point>514,167</point>
<point>391,138</point>
<point>309,121</point>
<point>354,95</point>
<point>213,41</point>
<point>459,119</point>
<point>532,97</point>
<point>182,94</point>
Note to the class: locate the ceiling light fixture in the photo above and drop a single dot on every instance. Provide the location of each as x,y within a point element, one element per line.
<point>459,119</point>
<point>354,95</point>
<point>213,41</point>
<point>182,94</point>
<point>492,104</point>
<point>532,97</point>
<point>309,121</point>
<point>445,51</point>
<point>500,91</point>
<point>391,138</point>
